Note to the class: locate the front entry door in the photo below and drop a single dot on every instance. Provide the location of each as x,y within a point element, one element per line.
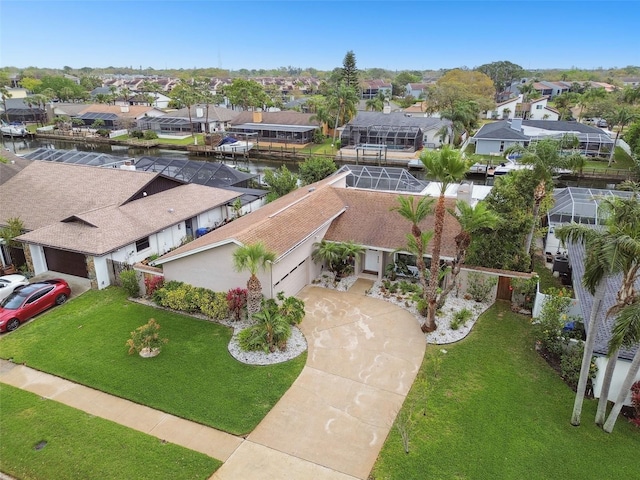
<point>372,261</point>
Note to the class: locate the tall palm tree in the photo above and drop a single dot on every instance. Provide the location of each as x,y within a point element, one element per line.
<point>543,156</point>
<point>471,220</point>
<point>343,101</point>
<point>626,333</point>
<point>621,117</point>
<point>417,240</point>
<point>253,257</point>
<point>609,250</point>
<point>447,166</point>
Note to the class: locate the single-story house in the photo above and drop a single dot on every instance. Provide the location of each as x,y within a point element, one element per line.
<point>396,131</point>
<point>276,127</point>
<point>115,115</point>
<point>290,226</point>
<point>493,138</point>
<point>20,110</point>
<point>92,222</point>
<point>213,119</point>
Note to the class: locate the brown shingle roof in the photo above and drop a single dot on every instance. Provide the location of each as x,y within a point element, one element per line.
<point>370,221</point>
<point>47,192</point>
<point>13,167</point>
<point>133,111</point>
<point>103,230</point>
<point>286,117</point>
<point>280,225</point>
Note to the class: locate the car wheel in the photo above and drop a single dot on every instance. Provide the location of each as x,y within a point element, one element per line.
<point>13,324</point>
<point>60,299</point>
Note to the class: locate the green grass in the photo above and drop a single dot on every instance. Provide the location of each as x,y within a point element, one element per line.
<point>194,377</point>
<point>495,410</point>
<point>80,445</point>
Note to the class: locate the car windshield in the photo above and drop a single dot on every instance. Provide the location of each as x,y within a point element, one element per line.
<point>13,301</point>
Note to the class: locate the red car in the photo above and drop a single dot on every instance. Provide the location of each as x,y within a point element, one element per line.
<point>28,301</point>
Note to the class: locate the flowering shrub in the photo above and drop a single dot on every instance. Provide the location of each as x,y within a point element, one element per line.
<point>237,301</point>
<point>153,283</point>
<point>480,286</point>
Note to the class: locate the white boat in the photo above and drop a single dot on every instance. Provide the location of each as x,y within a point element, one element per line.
<point>415,164</point>
<point>13,129</point>
<point>233,145</point>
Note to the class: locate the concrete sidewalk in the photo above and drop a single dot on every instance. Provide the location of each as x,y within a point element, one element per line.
<point>162,425</point>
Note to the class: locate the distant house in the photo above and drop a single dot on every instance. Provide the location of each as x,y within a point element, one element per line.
<point>91,222</point>
<point>276,127</point>
<point>371,88</point>
<point>494,138</point>
<point>416,90</point>
<point>517,108</point>
<point>114,115</point>
<point>179,123</point>
<point>20,110</point>
<point>396,130</point>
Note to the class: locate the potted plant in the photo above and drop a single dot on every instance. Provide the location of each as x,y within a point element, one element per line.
<point>146,340</point>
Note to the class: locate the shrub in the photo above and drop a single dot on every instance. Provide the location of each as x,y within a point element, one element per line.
<point>480,286</point>
<point>460,318</point>
<point>549,325</point>
<point>524,291</point>
<point>146,337</point>
<point>150,135</point>
<point>291,308</point>
<point>159,296</point>
<point>102,132</point>
<point>271,331</point>
<point>136,134</point>
<point>635,401</point>
<point>153,283</point>
<point>236,301</point>
<point>571,363</point>
<point>214,305</point>
<point>129,280</point>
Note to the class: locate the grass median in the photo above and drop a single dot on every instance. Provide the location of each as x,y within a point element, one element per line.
<point>194,377</point>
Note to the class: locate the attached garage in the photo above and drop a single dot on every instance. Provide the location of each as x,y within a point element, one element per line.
<point>294,281</point>
<point>67,262</point>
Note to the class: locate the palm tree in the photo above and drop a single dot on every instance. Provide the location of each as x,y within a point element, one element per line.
<point>418,240</point>
<point>253,257</point>
<point>328,252</point>
<point>471,220</point>
<point>447,166</point>
<point>185,95</point>
<point>343,101</point>
<point>544,158</point>
<point>626,333</point>
<point>621,117</point>
<point>613,249</point>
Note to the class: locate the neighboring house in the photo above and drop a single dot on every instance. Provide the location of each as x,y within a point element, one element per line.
<point>577,255</point>
<point>631,81</point>
<point>93,222</point>
<point>18,110</point>
<point>494,138</point>
<point>416,90</point>
<point>178,122</point>
<point>287,127</point>
<point>397,131</point>
<point>517,108</point>
<point>16,92</point>
<point>371,88</point>
<point>115,115</point>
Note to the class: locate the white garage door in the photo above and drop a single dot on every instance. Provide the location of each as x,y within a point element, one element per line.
<point>293,281</point>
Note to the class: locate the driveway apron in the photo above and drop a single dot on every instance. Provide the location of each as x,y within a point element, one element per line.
<point>363,357</point>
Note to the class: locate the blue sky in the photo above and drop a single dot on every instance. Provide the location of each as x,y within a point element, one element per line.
<point>390,34</point>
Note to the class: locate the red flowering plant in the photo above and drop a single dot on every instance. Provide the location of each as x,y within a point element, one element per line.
<point>153,283</point>
<point>237,301</point>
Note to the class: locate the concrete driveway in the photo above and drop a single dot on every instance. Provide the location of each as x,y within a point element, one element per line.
<point>78,285</point>
<point>363,357</point>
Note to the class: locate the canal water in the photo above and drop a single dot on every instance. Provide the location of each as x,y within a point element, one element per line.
<point>257,166</point>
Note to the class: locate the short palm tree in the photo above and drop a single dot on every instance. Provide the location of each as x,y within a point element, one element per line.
<point>447,166</point>
<point>253,257</point>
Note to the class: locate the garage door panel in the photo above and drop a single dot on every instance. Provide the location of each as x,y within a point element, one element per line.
<point>67,262</point>
<point>294,281</point>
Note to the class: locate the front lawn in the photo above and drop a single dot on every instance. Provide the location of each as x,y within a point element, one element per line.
<point>491,408</point>
<point>194,377</point>
<point>79,445</point>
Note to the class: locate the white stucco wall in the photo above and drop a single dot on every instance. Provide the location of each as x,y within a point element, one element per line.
<point>622,368</point>
<point>489,147</point>
<point>102,272</point>
<point>37,256</point>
